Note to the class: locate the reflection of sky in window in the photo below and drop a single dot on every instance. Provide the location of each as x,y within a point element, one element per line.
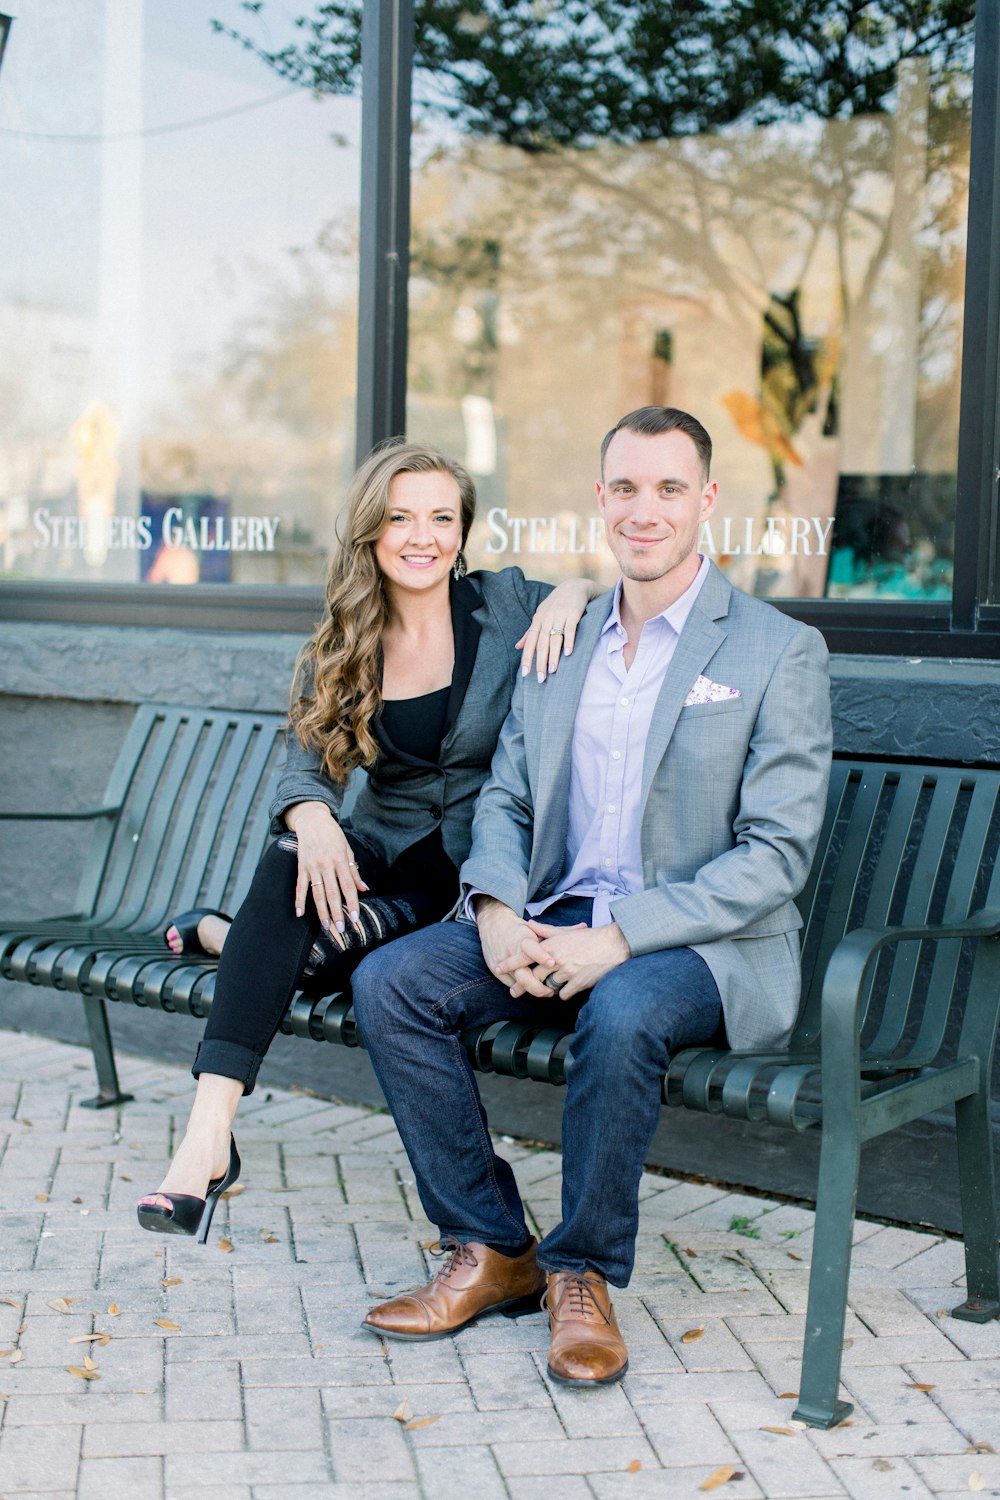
<point>224,202</point>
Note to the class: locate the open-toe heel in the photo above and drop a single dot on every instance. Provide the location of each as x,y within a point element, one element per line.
<point>187,1214</point>
<point>187,927</point>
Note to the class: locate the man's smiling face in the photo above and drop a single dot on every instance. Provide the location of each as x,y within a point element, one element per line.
<point>653,497</point>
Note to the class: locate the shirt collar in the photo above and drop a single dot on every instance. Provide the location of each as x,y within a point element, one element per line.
<point>676,614</point>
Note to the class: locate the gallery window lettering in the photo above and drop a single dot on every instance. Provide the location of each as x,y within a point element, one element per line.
<point>177,301</point>
<point>770,232</point>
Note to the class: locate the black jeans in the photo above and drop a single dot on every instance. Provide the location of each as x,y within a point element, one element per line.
<point>269,952</point>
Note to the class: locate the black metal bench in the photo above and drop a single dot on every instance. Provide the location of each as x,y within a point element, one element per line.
<point>901,971</point>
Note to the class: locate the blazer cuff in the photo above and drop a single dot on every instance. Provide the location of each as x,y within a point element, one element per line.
<point>300,789</point>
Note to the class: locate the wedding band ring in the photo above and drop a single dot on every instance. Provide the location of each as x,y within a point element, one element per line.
<point>557,632</point>
<point>315,883</point>
<point>353,864</point>
<point>553,983</point>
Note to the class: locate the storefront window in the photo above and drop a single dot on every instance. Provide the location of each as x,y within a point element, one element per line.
<point>178,298</point>
<point>760,221</point>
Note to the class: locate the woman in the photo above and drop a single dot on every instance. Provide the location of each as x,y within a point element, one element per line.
<point>409,675</point>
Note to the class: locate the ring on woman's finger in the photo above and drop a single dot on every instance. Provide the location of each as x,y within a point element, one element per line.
<point>557,632</point>
<point>314,883</point>
<point>353,864</point>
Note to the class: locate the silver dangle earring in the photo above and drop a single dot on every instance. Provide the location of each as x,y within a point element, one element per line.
<point>459,570</point>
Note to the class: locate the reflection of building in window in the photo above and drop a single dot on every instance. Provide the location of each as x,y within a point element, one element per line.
<point>892,537</point>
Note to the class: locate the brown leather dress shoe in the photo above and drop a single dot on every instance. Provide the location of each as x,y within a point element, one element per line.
<point>472,1281</point>
<point>587,1347</point>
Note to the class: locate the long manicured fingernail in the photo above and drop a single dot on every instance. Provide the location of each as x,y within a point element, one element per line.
<point>299,912</point>
<point>340,927</point>
<point>541,676</point>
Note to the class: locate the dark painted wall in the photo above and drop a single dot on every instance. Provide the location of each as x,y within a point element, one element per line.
<point>66,696</point>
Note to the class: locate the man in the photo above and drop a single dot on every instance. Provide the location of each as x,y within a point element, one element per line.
<point>651,813</point>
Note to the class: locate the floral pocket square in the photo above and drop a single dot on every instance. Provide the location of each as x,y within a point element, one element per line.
<point>707,691</point>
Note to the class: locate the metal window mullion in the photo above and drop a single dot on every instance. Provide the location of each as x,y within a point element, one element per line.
<point>976,536</point>
<point>387,61</point>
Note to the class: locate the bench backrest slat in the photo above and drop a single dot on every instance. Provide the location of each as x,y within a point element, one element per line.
<point>194,789</point>
<point>901,845</point>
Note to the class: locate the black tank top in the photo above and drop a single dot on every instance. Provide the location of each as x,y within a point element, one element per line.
<point>416,725</point>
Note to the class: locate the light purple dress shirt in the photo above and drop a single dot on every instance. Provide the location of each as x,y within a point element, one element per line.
<point>603,846</point>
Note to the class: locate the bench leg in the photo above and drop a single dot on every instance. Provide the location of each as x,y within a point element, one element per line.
<point>979,1209</point>
<point>831,1263</point>
<point>104,1056</point>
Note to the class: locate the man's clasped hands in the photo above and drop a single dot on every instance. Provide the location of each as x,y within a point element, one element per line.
<point>532,958</point>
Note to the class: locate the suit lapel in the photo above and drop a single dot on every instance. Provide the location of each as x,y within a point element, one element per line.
<point>701,637</point>
<point>468,615</point>
<point>549,737</point>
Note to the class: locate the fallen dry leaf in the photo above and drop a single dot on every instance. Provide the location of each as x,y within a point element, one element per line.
<point>634,1466</point>
<point>976,1481</point>
<point>914,1385</point>
<point>882,1464</point>
<point>980,1448</point>
<point>4,1396</point>
<point>268,1237</point>
<point>78,1199</point>
<point>718,1477</point>
<point>114,1311</point>
<point>90,1338</point>
<point>420,1422</point>
<point>225,1245</point>
<point>403,1412</point>
<point>4,1353</point>
<point>60,1304</point>
<point>88,1363</point>
<point>789,1396</point>
<point>11,1302</point>
<point>41,1197</point>
<point>838,1425</point>
<point>235,1190</point>
<point>427,1244</point>
<point>23,1329</point>
<point>17,1356</point>
<point>792,1256</point>
<point>693,1253</point>
<point>83,1374</point>
<point>691,1335</point>
<point>123,1178</point>
<point>167,1323</point>
<point>172,1281</point>
<point>785,1431</point>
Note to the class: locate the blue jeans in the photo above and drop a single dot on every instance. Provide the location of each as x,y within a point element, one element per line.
<point>414,997</point>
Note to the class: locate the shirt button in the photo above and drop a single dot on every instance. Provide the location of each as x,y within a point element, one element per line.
<point>616,755</point>
<point>624,702</point>
<point>607,864</point>
<point>435,813</point>
<point>611,807</point>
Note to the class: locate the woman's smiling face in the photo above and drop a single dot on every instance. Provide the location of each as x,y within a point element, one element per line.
<point>421,540</point>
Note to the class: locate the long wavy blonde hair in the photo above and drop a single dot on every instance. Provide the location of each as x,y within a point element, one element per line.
<point>335,692</point>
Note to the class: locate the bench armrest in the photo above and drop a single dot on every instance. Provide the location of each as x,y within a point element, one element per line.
<point>58,817</point>
<point>843,986</point>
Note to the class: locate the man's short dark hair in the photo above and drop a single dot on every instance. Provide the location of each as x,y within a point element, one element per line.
<point>652,421</point>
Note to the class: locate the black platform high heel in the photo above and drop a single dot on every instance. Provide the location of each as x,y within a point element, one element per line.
<point>187,1214</point>
<point>187,926</point>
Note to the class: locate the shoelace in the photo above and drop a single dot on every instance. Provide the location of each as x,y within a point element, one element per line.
<point>458,1255</point>
<point>580,1293</point>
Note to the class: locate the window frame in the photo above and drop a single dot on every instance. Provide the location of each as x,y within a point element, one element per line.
<point>967,627</point>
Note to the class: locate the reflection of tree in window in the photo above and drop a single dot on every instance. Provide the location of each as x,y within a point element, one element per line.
<point>656,165</point>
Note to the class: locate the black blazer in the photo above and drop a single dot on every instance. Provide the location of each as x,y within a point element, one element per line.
<point>403,799</point>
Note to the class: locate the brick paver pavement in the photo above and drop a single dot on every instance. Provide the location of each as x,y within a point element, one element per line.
<point>239,1370</point>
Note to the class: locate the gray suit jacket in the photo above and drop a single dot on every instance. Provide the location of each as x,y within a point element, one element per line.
<point>403,799</point>
<point>733,795</point>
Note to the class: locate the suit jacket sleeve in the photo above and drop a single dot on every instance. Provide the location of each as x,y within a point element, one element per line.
<point>300,778</point>
<point>502,827</point>
<point>782,800</point>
